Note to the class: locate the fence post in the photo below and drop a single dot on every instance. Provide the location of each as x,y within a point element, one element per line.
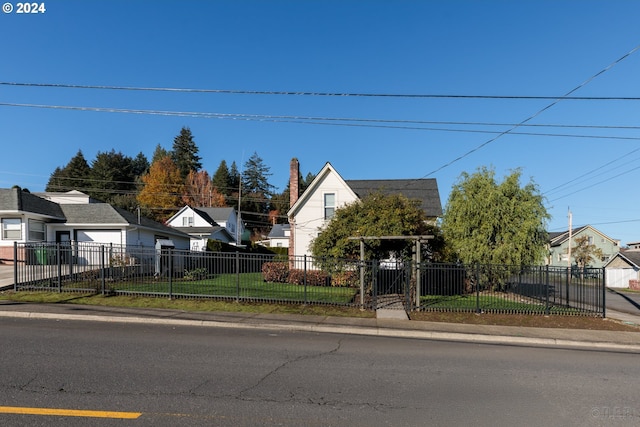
<point>604,293</point>
<point>15,265</point>
<point>170,259</point>
<point>102,270</point>
<point>304,278</point>
<point>546,282</point>
<point>374,284</point>
<point>237,276</point>
<point>568,281</point>
<point>477,288</point>
<point>59,265</point>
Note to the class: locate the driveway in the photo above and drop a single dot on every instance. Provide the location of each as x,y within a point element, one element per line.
<point>626,302</point>
<point>6,275</point>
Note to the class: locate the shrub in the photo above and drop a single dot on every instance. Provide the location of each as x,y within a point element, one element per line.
<point>277,272</point>
<point>314,277</point>
<point>346,278</point>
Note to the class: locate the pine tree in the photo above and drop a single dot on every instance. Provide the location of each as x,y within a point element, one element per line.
<point>185,153</point>
<point>221,180</point>
<point>74,176</point>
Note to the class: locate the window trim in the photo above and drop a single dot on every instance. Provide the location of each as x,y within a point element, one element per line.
<point>325,206</point>
<point>43,231</point>
<point>5,229</point>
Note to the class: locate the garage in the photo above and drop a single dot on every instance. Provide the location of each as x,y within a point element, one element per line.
<point>622,268</point>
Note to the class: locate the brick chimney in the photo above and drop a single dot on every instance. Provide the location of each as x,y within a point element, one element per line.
<point>294,193</point>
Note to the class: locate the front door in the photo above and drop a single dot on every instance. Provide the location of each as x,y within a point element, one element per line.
<point>64,238</point>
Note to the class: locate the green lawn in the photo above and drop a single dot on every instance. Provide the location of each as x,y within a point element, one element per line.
<point>486,303</point>
<point>251,286</point>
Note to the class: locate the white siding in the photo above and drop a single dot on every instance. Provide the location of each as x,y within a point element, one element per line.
<point>101,236</point>
<point>310,217</point>
<point>619,277</point>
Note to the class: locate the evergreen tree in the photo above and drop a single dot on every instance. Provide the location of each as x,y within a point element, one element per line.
<point>112,174</point>
<point>140,165</point>
<point>74,176</point>
<point>256,192</point>
<point>159,153</point>
<point>221,180</point>
<point>185,153</point>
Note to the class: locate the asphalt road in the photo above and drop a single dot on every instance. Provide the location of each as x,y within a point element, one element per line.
<point>194,376</point>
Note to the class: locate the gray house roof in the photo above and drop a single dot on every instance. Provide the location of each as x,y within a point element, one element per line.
<point>214,215</point>
<point>277,231</point>
<point>104,214</point>
<point>425,190</point>
<point>632,257</point>
<point>14,199</point>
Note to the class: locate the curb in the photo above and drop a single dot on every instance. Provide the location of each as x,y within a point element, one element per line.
<point>338,329</point>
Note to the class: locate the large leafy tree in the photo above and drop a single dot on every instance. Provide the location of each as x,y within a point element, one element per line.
<point>492,222</point>
<point>163,189</point>
<point>198,191</point>
<point>584,252</point>
<point>74,176</point>
<point>185,153</point>
<point>377,215</point>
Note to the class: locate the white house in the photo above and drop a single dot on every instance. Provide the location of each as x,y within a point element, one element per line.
<point>73,216</point>
<point>328,191</point>
<point>208,223</point>
<point>279,236</point>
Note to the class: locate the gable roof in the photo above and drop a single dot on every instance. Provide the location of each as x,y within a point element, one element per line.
<point>105,214</point>
<point>14,199</point>
<point>326,170</point>
<point>425,190</point>
<point>277,231</point>
<point>558,238</point>
<point>214,215</point>
<point>632,257</point>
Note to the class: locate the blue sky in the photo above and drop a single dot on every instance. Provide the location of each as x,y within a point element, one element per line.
<point>505,48</point>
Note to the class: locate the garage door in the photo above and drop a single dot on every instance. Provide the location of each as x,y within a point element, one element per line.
<point>100,236</point>
<point>619,277</point>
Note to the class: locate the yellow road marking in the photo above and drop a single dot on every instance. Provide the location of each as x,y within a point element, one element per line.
<point>68,412</point>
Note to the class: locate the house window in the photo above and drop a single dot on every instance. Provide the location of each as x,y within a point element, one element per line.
<point>37,231</point>
<point>187,221</point>
<point>11,229</point>
<point>590,240</point>
<point>329,205</point>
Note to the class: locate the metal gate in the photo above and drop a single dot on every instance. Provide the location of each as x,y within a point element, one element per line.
<point>392,286</point>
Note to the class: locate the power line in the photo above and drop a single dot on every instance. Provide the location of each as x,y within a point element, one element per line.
<point>325,94</point>
<point>332,121</point>
<point>537,113</point>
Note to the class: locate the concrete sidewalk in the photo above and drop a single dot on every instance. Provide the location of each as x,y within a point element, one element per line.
<point>511,335</point>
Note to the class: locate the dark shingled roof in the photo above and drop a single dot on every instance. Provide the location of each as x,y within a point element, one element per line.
<point>425,190</point>
<point>632,255</point>
<point>14,199</point>
<point>104,213</point>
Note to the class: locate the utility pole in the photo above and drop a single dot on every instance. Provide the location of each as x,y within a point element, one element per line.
<point>570,235</point>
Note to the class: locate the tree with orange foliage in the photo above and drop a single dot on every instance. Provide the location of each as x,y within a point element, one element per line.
<point>163,189</point>
<point>199,191</point>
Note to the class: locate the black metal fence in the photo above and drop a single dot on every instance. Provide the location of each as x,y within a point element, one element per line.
<point>166,272</point>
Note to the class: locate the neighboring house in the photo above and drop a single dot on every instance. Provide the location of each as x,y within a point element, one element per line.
<point>208,223</point>
<point>279,236</point>
<point>559,246</point>
<point>623,269</point>
<point>73,216</point>
<point>634,245</point>
<point>329,191</point>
